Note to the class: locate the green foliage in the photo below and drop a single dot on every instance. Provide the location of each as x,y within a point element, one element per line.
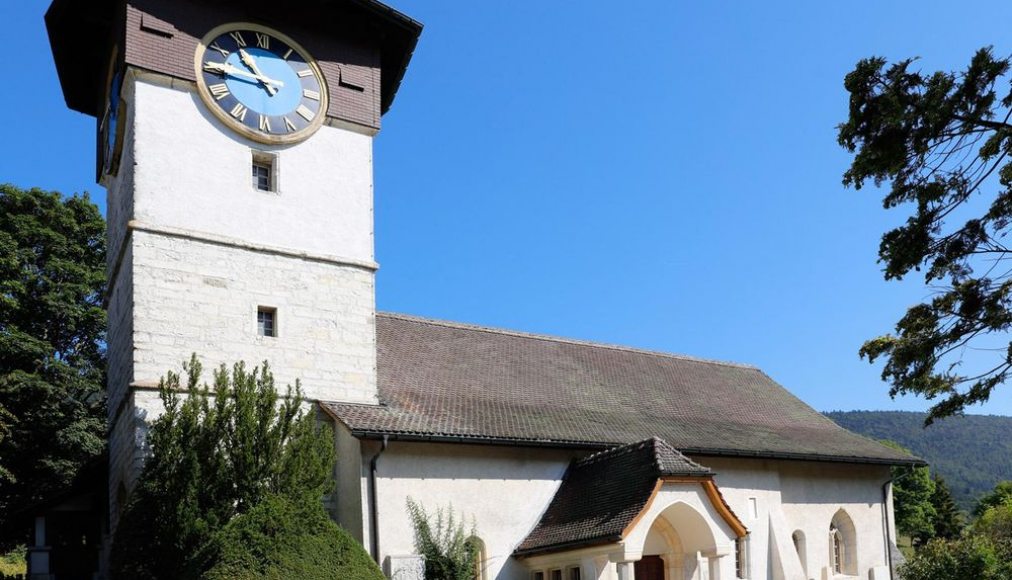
<point>939,140</point>
<point>216,454</point>
<point>913,489</point>
<point>52,349</point>
<point>281,539</point>
<point>948,522</point>
<point>983,551</point>
<point>995,524</point>
<point>1000,495</point>
<point>972,557</point>
<point>13,563</point>
<point>444,541</point>
<point>972,452</point>
<point>6,420</point>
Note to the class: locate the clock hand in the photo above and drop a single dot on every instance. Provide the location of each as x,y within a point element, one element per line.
<point>225,68</point>
<point>248,60</point>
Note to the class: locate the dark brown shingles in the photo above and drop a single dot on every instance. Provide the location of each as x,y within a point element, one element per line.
<point>602,494</point>
<point>447,380</point>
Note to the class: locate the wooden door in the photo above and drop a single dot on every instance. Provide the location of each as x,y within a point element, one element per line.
<point>649,568</point>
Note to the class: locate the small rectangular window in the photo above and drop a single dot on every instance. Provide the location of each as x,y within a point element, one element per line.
<point>753,508</point>
<point>261,176</point>
<point>267,323</point>
<point>265,171</point>
<point>556,574</point>
<point>574,574</point>
<point>538,576</point>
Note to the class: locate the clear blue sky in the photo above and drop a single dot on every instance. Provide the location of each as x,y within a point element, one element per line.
<point>663,175</point>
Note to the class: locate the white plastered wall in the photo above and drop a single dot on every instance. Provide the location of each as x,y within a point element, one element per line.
<point>194,250</point>
<point>507,489</point>
<point>504,489</point>
<point>801,495</point>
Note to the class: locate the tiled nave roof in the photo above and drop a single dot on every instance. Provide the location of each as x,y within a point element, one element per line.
<point>456,382</point>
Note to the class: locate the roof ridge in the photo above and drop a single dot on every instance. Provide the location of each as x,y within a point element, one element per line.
<point>611,451</point>
<point>658,443</point>
<point>559,339</point>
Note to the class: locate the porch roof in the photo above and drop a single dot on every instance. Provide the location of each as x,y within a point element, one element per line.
<point>602,496</point>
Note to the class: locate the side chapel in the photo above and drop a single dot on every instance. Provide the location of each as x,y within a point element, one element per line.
<point>235,143</point>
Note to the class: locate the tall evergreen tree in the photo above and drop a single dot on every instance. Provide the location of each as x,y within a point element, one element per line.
<point>52,345</point>
<point>941,142</point>
<point>912,492</point>
<point>217,453</point>
<point>948,521</point>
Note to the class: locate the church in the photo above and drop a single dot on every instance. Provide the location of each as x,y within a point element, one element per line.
<point>235,141</point>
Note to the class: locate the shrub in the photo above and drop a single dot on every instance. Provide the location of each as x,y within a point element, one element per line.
<point>445,543</point>
<point>971,557</point>
<point>282,539</point>
<point>214,458</point>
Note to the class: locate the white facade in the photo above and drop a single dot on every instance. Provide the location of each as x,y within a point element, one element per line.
<point>195,250</point>
<point>507,489</point>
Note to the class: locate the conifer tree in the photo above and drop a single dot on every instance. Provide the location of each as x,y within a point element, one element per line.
<point>948,519</point>
<point>217,453</point>
<point>912,492</point>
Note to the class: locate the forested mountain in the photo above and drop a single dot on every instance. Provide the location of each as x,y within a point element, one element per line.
<point>972,452</point>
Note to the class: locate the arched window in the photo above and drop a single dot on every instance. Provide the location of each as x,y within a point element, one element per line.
<point>839,551</point>
<point>842,544</point>
<point>477,547</point>
<point>798,537</point>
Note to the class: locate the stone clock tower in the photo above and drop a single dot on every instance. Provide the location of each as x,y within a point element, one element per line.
<point>235,142</point>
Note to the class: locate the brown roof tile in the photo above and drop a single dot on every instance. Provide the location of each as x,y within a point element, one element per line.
<point>602,494</point>
<point>440,380</point>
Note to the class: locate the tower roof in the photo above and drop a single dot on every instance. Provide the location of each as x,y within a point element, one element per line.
<point>82,36</point>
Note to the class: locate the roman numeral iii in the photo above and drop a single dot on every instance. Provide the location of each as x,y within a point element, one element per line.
<point>218,91</point>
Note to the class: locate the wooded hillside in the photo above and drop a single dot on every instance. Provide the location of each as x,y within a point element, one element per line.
<point>972,452</point>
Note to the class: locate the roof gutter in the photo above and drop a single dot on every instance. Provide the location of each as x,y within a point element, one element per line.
<point>563,444</point>
<point>567,546</point>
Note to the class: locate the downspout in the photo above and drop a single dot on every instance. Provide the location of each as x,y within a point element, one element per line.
<point>885,520</point>
<point>374,503</point>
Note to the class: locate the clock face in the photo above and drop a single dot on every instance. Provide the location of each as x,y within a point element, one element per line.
<point>261,83</point>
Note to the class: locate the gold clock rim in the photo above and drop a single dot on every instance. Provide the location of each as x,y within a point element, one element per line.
<point>238,127</point>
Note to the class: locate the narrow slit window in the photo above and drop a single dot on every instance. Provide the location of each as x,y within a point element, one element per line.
<point>574,574</point>
<point>267,321</point>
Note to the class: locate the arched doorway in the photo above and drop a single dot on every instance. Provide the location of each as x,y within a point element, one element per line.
<point>679,545</point>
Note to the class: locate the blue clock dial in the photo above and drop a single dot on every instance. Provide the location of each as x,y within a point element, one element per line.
<point>261,83</point>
